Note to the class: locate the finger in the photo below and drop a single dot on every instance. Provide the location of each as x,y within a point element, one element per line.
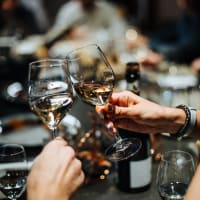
<point>64,159</point>
<point>67,154</point>
<point>100,109</point>
<point>124,112</point>
<point>74,170</point>
<point>124,98</point>
<point>107,112</point>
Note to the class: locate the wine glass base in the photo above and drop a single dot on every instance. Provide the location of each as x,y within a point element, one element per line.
<point>123,149</point>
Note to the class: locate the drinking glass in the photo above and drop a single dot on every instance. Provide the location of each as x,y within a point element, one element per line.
<point>13,170</point>
<point>175,172</point>
<point>93,80</point>
<point>50,91</point>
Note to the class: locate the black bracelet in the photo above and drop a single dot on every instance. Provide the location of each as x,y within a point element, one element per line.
<point>181,132</point>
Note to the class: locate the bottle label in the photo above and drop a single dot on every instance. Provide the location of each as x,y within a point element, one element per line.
<point>140,172</point>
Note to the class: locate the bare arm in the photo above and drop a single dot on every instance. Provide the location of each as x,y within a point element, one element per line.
<point>193,192</point>
<point>138,114</point>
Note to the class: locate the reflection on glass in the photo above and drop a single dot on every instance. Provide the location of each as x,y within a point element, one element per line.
<point>50,91</point>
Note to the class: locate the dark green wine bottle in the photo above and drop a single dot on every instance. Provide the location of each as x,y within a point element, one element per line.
<point>134,174</point>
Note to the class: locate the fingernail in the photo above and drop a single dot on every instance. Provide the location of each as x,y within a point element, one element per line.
<point>111,108</point>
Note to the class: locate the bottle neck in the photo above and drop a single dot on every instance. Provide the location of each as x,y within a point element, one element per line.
<point>133,87</point>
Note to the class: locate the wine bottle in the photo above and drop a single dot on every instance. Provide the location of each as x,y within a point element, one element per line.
<point>134,174</point>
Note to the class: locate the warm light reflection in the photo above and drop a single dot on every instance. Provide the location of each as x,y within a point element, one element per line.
<point>106,172</point>
<point>87,135</point>
<point>198,143</point>
<point>131,34</point>
<point>158,156</point>
<point>102,177</point>
<point>83,140</point>
<point>152,151</point>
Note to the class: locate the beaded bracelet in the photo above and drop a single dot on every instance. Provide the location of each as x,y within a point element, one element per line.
<point>188,126</point>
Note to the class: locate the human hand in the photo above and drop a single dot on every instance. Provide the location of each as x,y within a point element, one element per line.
<point>55,174</point>
<point>151,60</point>
<point>137,114</point>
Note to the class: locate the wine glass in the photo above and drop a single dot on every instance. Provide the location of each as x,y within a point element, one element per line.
<point>175,172</point>
<point>50,91</point>
<point>13,170</point>
<point>93,80</point>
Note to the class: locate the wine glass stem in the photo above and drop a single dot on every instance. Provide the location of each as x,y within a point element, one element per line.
<point>118,140</point>
<point>116,135</point>
<point>53,132</point>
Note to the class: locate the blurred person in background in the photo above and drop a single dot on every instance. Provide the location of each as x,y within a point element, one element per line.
<point>87,18</point>
<point>138,13</point>
<point>56,173</point>
<point>16,23</point>
<point>39,13</point>
<point>178,42</point>
<point>16,19</point>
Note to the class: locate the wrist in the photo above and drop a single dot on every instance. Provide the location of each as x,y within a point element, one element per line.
<point>174,119</point>
<point>190,122</point>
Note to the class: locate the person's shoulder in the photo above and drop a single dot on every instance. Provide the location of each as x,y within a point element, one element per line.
<point>69,6</point>
<point>104,4</point>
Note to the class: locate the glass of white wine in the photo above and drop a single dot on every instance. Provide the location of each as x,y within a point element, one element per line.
<point>13,170</point>
<point>50,91</point>
<point>175,172</point>
<point>93,79</point>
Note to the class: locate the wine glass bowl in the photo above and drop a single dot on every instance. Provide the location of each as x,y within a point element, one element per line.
<point>50,91</point>
<point>175,172</point>
<point>91,74</point>
<point>13,170</point>
<point>93,79</point>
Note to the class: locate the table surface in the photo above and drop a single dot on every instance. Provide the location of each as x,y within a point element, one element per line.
<point>107,189</point>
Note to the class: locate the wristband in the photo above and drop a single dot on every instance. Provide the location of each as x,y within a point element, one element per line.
<point>189,124</point>
<point>193,121</point>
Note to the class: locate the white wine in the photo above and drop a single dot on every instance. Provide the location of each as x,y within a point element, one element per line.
<point>52,108</point>
<point>94,93</point>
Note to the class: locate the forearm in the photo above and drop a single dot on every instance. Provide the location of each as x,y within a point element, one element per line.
<point>172,119</point>
<point>175,119</point>
<point>194,191</point>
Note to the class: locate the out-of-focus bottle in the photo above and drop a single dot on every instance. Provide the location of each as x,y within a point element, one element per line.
<point>134,174</point>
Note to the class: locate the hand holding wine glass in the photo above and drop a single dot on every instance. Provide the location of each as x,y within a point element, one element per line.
<point>93,79</point>
<point>175,172</point>
<point>13,170</point>
<point>50,91</point>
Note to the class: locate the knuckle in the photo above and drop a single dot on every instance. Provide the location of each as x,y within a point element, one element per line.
<point>70,152</point>
<point>78,164</point>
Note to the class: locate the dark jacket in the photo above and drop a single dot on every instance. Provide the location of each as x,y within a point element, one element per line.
<point>179,42</point>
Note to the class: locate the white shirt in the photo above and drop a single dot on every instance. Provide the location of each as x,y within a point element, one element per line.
<point>103,17</point>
